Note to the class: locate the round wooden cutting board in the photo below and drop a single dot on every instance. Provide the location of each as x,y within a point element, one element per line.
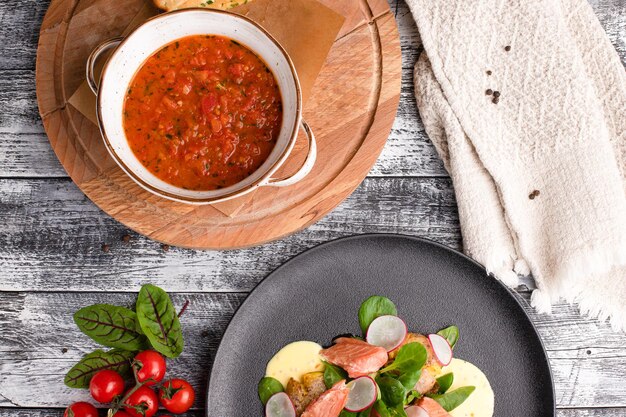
<point>351,109</point>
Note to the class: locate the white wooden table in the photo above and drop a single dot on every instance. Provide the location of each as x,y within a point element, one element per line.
<point>52,262</point>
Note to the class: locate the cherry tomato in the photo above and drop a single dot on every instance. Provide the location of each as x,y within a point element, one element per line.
<point>81,409</point>
<point>177,396</point>
<point>105,385</point>
<point>142,403</point>
<point>151,365</point>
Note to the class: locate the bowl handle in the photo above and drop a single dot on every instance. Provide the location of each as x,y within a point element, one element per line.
<point>306,167</point>
<point>93,57</point>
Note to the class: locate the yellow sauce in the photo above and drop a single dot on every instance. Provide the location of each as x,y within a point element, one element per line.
<point>295,360</point>
<point>481,402</point>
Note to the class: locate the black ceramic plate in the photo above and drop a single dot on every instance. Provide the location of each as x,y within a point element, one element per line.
<point>316,296</point>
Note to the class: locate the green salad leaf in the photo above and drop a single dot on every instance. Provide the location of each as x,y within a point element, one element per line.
<point>412,396</point>
<point>445,382</point>
<point>398,411</point>
<point>269,386</point>
<point>411,357</point>
<point>392,392</point>
<point>410,378</point>
<point>333,374</point>
<point>451,400</point>
<point>381,409</point>
<point>375,306</point>
<point>117,360</point>
<point>159,321</point>
<point>112,326</point>
<point>451,334</point>
<point>385,410</point>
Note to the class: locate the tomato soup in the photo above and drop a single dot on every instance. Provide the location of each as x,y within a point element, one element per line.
<point>203,113</point>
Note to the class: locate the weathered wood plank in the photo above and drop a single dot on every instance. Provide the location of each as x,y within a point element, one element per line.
<point>39,161</point>
<point>19,30</point>
<point>48,222</point>
<point>588,359</point>
<point>408,151</point>
<point>18,104</point>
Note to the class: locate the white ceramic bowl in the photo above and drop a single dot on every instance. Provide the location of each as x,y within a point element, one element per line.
<point>132,51</point>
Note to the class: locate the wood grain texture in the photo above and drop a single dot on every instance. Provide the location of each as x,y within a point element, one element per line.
<point>351,110</point>
<point>588,367</point>
<point>48,222</point>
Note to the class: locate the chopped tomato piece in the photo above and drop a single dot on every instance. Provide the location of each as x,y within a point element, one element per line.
<point>236,69</point>
<point>208,103</point>
<point>169,103</point>
<point>170,76</point>
<point>216,125</point>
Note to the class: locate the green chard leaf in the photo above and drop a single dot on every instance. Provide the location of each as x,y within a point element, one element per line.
<point>451,400</point>
<point>411,357</point>
<point>445,382</point>
<point>375,306</point>
<point>392,392</point>
<point>159,321</point>
<point>111,326</point>
<point>333,374</point>
<point>269,386</point>
<point>117,360</point>
<point>451,334</point>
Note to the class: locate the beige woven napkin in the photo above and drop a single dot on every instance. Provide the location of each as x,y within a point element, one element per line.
<point>525,102</point>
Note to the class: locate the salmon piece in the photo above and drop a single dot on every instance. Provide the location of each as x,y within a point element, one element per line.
<point>330,403</point>
<point>357,357</point>
<point>427,382</point>
<point>432,407</point>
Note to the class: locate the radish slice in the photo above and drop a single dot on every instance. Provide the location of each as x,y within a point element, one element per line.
<point>363,393</point>
<point>442,348</point>
<point>386,331</point>
<point>416,411</point>
<point>280,405</point>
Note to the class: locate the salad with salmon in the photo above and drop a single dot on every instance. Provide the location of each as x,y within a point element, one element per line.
<point>387,372</point>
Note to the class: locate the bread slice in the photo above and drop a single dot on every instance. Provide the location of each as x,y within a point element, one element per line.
<point>170,5</point>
